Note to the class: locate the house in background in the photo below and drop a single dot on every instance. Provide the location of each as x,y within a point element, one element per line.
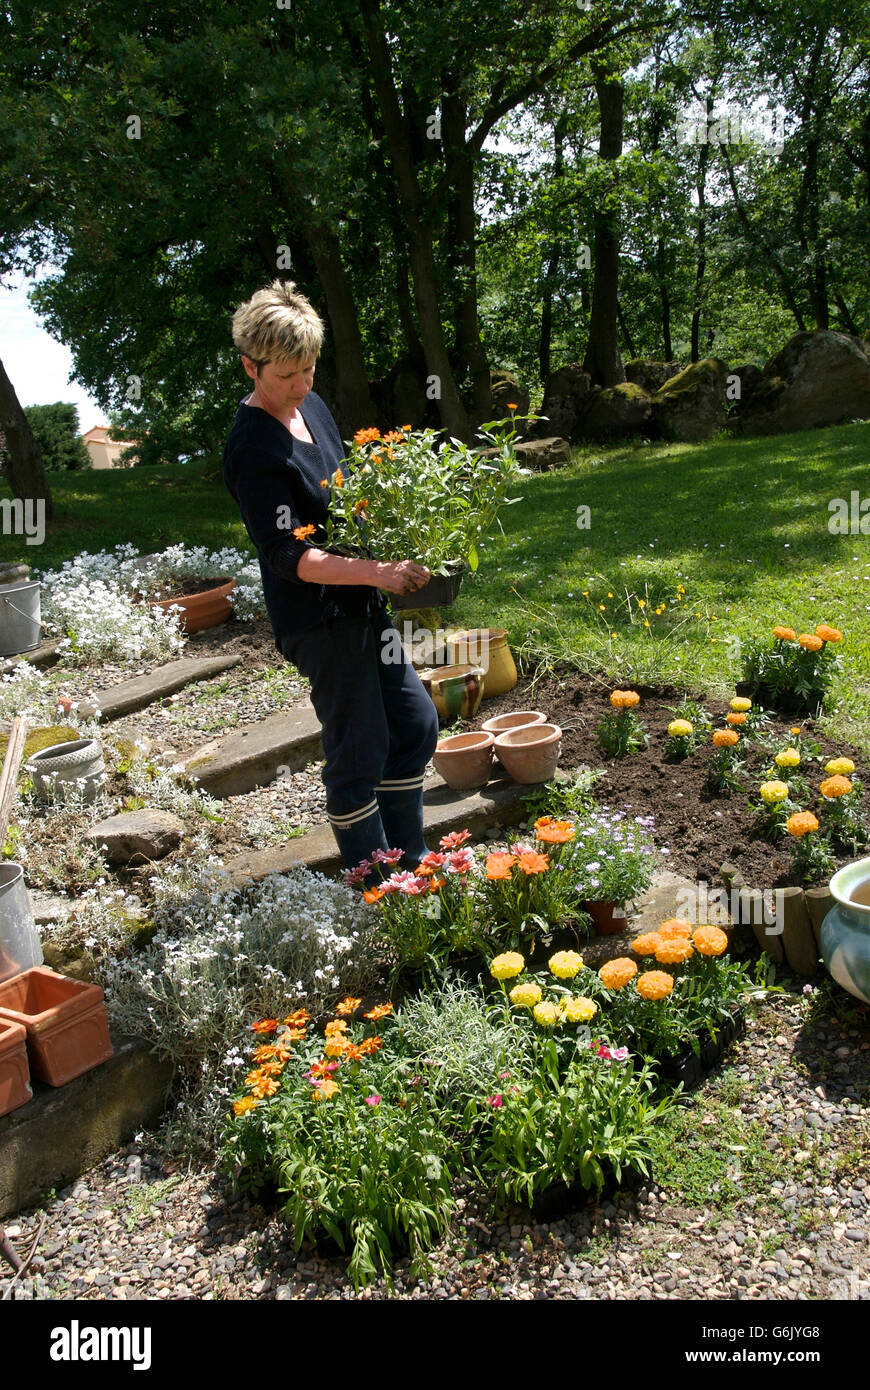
<point>105,452</point>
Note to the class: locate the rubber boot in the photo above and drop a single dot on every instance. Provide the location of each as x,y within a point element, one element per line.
<point>358,834</point>
<point>401,806</point>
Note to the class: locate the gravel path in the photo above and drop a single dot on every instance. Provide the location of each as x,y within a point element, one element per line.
<point>793,1224</point>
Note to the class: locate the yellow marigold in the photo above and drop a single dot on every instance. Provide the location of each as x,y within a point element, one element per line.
<point>795,730</point>
<point>565,964</point>
<point>624,699</point>
<point>654,984</point>
<point>842,767</point>
<point>829,634</point>
<point>335,1026</point>
<point>784,634</point>
<point>554,832</point>
<point>736,718</point>
<point>725,738</point>
<point>810,642</point>
<point>710,941</point>
<point>680,728</point>
<point>546,1014</point>
<point>789,757</point>
<point>773,792</point>
<point>674,952</point>
<point>801,823</point>
<point>507,965</point>
<point>525,996</point>
<point>832,787</point>
<point>579,1009</point>
<point>325,1090</point>
<point>616,974</point>
<point>741,704</point>
<point>647,944</point>
<point>336,1047</point>
<point>241,1107</point>
<point>675,929</point>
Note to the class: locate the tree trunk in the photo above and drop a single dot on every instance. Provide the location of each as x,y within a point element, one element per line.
<point>700,240</point>
<point>470,355</point>
<point>25,469</point>
<point>752,236</point>
<point>355,407</point>
<point>603,361</point>
<point>665,299</point>
<point>807,211</point>
<point>551,270</point>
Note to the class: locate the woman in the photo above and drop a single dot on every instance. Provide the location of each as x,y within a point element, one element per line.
<point>327,613</point>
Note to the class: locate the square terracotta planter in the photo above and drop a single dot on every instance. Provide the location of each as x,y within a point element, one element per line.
<point>14,1071</point>
<point>67,1032</point>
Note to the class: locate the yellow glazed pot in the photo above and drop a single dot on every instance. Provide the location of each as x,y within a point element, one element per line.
<point>456,691</point>
<point>488,648</point>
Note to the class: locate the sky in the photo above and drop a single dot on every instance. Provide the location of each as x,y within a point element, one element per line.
<point>37,365</point>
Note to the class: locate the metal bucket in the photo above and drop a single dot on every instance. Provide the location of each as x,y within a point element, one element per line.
<point>20,947</point>
<point>20,617</point>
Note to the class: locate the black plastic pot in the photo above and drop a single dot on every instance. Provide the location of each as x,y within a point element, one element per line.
<point>441,591</point>
<point>693,1067</point>
<point>561,1198</point>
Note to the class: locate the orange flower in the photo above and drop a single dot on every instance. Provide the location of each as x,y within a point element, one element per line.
<point>725,738</point>
<point>352,1053</point>
<point>554,832</point>
<point>266,1025</point>
<point>287,1036</point>
<point>271,1068</point>
<point>347,1006</point>
<point>533,863</point>
<point>784,634</point>
<point>511,405</point>
<point>366,436</point>
<point>369,1046</point>
<point>406,428</point>
<point>241,1107</point>
<point>394,437</point>
<point>710,941</point>
<point>615,974</point>
<point>321,1068</point>
<point>624,699</point>
<point>298,1018</point>
<point>334,1028</point>
<point>338,478</point>
<point>735,719</point>
<point>336,1046</point>
<point>801,823</point>
<point>647,944</point>
<point>379,1011</point>
<point>373,895</point>
<point>674,952</point>
<point>835,786</point>
<point>498,866</point>
<point>301,532</point>
<point>262,1087</point>
<point>829,634</point>
<point>267,1051</point>
<point>655,984</point>
<point>325,1090</point>
<point>810,642</point>
<point>360,506</point>
<point>675,929</point>
<point>436,884</point>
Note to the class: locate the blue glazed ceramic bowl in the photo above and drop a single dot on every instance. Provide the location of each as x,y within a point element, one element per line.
<point>845,936</point>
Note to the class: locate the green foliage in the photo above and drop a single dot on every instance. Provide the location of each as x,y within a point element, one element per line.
<point>620,732</point>
<point>56,430</point>
<point>783,672</point>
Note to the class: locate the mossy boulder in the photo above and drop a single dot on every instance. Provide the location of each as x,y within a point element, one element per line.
<point>818,378</point>
<point>566,395</point>
<point>692,405</point>
<point>506,390</point>
<point>650,373</point>
<point>616,412</point>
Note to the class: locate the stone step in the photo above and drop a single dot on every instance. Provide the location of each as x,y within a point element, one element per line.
<point>46,654</point>
<point>252,757</point>
<point>63,1131</point>
<point>155,685</point>
<point>498,803</point>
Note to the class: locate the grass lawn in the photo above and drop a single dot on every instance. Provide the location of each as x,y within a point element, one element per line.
<point>741,525</point>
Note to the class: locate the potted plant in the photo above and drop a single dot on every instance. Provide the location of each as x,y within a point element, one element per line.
<point>404,496</point>
<point>614,860</point>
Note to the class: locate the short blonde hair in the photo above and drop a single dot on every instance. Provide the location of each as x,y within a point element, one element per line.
<point>278,325</point>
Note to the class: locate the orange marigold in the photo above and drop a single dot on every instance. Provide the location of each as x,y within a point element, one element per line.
<point>736,719</point>
<point>624,699</point>
<point>829,634</point>
<point>334,1028</point>
<point>369,1046</point>
<point>321,1068</point>
<point>810,642</point>
<point>262,1087</point>
<point>266,1025</point>
<point>784,634</point>
<point>360,506</point>
<point>647,944</point>
<point>674,952</point>
<point>675,929</point>
<point>725,738</point>
<point>325,1090</point>
<point>835,786</point>
<point>366,436</point>
<point>554,832</point>
<point>379,1011</point>
<point>347,1006</point>
<point>654,984</point>
<point>298,1018</point>
<point>336,1046</point>
<point>532,863</point>
<point>241,1107</point>
<point>616,974</point>
<point>801,823</point>
<point>710,941</point>
<point>498,866</point>
<point>303,532</point>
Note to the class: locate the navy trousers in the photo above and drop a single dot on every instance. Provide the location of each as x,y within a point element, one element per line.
<point>379,725</point>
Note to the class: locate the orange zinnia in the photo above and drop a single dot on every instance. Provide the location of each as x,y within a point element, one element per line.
<point>810,642</point>
<point>655,984</point>
<point>647,944</point>
<point>710,941</point>
<point>321,1068</point>
<point>301,532</point>
<point>624,699</point>
<point>366,436</point>
<point>801,823</point>
<point>615,974</point>
<point>347,1006</point>
<point>735,719</point>
<point>675,929</point>
<point>360,506</point>
<point>785,634</point>
<point>829,634</point>
<point>835,786</point>
<point>554,832</point>
<point>371,1045</point>
<point>498,866</point>
<point>373,895</point>
<point>725,738</point>
<point>532,863</point>
<point>379,1011</point>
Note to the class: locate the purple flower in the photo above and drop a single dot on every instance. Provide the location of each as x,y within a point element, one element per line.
<point>808,989</point>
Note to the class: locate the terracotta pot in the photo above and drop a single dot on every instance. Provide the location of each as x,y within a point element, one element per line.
<point>487,647</point>
<point>456,691</point>
<point>609,918</point>
<point>65,1019</point>
<point>531,753</point>
<point>14,1071</point>
<point>500,723</point>
<point>206,609</point>
<point>464,760</point>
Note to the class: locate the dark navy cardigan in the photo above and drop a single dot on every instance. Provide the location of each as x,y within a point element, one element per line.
<point>276,482</point>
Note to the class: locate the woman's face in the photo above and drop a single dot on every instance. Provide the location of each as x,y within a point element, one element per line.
<point>282,386</point>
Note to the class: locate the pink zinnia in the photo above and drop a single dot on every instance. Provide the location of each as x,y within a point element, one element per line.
<point>373,1100</point>
<point>433,860</point>
<point>454,839</point>
<point>353,877</point>
<point>495,1101</point>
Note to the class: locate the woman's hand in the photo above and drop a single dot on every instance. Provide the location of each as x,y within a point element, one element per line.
<point>402,577</point>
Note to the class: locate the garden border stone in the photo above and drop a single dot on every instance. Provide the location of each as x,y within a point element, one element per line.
<point>251,757</point>
<point>135,694</point>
